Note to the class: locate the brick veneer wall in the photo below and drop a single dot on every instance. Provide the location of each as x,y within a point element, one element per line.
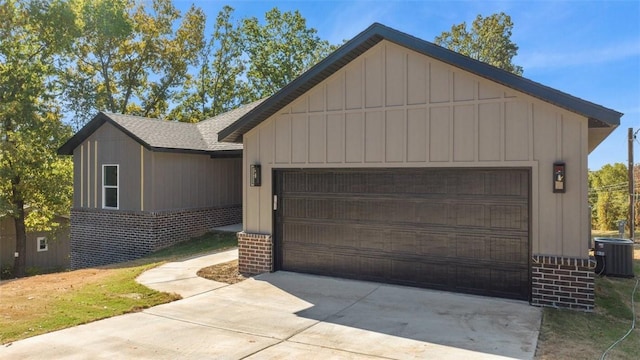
<point>255,253</point>
<point>100,237</point>
<point>563,282</point>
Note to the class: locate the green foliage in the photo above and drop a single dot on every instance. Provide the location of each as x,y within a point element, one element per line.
<point>280,50</point>
<point>218,86</point>
<point>488,40</point>
<point>31,130</point>
<point>245,62</point>
<point>130,58</point>
<point>608,196</point>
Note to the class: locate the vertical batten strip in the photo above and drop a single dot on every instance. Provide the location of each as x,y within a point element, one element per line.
<point>141,178</point>
<point>95,174</point>
<point>81,175</point>
<point>88,173</point>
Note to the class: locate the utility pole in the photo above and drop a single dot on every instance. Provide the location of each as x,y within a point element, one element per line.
<point>631,212</point>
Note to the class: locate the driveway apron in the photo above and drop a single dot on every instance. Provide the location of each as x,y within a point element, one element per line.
<point>287,315</point>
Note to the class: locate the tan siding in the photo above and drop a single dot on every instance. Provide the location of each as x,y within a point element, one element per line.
<point>78,186</point>
<point>444,117</point>
<point>464,133</point>
<point>439,134</point>
<point>107,145</point>
<point>488,90</point>
<point>463,87</point>
<point>417,79</point>
<point>283,139</point>
<point>148,180</point>
<point>394,77</point>
<point>115,147</point>
<point>353,85</point>
<point>373,79</point>
<point>335,93</point>
<point>571,136</point>
<point>395,132</point>
<point>439,83</point>
<point>251,214</point>
<point>545,127</point>
<point>185,181</point>
<point>517,131</point>
<point>298,107</point>
<point>335,138</point>
<point>299,138</point>
<point>374,137</point>
<point>354,130</point>
<point>57,255</point>
<point>317,138</point>
<point>417,135</point>
<point>489,132</point>
<point>316,100</point>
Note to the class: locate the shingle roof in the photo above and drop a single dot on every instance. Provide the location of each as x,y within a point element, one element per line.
<point>161,135</point>
<point>598,116</point>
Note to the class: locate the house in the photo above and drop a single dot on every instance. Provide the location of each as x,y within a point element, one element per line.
<point>47,251</point>
<point>143,184</point>
<point>398,161</point>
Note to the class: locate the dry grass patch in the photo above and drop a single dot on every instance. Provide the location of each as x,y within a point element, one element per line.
<point>226,273</point>
<point>44,303</point>
<point>567,334</point>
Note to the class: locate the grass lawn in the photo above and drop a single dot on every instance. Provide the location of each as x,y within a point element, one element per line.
<point>44,303</point>
<point>567,334</point>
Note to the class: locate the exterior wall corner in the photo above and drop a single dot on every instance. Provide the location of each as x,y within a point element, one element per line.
<point>563,282</point>
<point>255,253</point>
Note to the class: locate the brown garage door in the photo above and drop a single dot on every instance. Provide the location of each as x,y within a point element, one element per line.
<point>463,230</point>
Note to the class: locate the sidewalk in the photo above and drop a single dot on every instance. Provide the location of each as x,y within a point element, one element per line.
<point>180,276</point>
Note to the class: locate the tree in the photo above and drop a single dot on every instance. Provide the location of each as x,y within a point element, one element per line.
<point>31,174</point>
<point>488,40</point>
<point>609,196</point>
<point>218,86</point>
<point>280,50</point>
<point>131,59</point>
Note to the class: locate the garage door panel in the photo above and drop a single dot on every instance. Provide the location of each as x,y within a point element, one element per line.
<point>471,247</point>
<point>469,215</point>
<point>458,230</point>
<point>509,217</point>
<point>514,250</point>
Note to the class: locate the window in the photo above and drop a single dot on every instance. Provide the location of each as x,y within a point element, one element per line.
<point>110,191</point>
<point>42,243</point>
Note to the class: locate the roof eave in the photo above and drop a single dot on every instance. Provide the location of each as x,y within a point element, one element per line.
<point>376,33</point>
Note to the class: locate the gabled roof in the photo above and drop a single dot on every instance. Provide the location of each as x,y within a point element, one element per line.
<point>168,136</point>
<point>598,116</point>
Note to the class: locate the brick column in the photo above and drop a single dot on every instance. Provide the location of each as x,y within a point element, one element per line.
<point>255,253</point>
<point>563,282</point>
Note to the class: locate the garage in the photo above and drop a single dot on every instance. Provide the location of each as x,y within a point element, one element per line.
<point>397,161</point>
<point>462,230</point>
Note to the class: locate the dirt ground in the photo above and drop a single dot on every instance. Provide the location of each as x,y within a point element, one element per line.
<point>22,297</point>
<point>225,272</point>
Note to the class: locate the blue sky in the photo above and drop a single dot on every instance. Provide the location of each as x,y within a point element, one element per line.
<point>589,49</point>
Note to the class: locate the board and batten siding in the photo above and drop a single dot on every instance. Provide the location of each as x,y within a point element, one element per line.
<point>107,146</point>
<point>183,181</point>
<point>393,107</point>
<point>152,181</point>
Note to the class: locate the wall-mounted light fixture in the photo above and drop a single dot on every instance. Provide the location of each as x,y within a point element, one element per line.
<point>255,175</point>
<point>559,177</point>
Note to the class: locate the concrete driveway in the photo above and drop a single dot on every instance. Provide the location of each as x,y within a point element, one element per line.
<point>286,315</point>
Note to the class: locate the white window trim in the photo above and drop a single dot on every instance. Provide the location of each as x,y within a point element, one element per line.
<point>117,187</point>
<point>46,244</point>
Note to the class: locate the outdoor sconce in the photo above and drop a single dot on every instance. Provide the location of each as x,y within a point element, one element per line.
<point>255,175</point>
<point>559,178</point>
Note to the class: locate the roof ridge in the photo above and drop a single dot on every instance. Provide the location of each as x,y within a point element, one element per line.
<point>597,114</point>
